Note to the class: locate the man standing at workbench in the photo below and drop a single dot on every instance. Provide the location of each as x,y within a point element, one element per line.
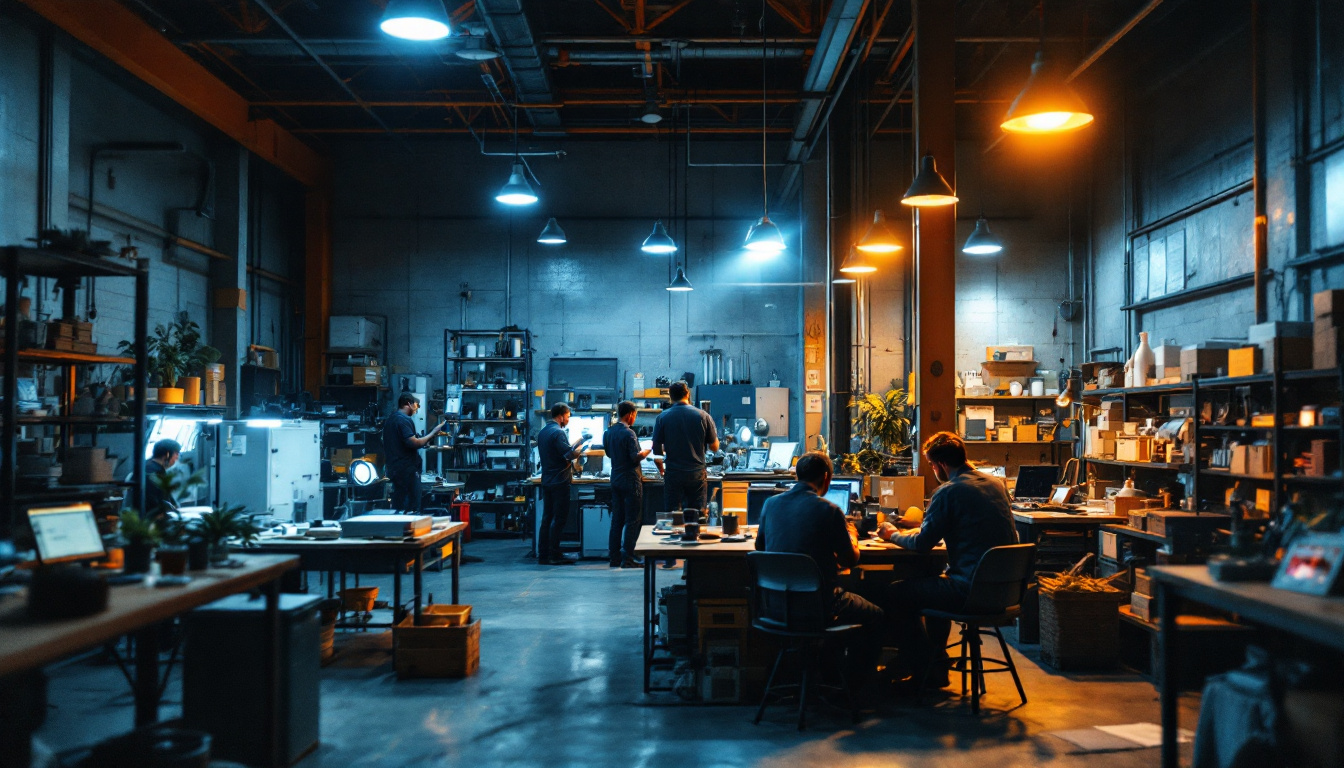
<point>681,434</point>
<point>402,447</point>
<point>557,454</point>
<point>627,486</point>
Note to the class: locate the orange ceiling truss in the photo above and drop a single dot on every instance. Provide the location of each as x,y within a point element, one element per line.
<point>463,12</point>
<point>634,14</point>
<point>799,13</point>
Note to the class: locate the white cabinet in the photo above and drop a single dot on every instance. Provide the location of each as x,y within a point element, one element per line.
<point>268,466</point>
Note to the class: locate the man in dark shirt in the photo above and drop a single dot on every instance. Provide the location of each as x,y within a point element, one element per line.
<point>971,513</point>
<point>804,522</point>
<point>627,487</point>
<point>402,448</point>
<point>164,456</point>
<point>556,453</point>
<point>681,434</point>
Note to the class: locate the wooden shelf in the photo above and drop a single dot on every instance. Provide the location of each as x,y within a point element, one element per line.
<point>57,357</point>
<point>1320,373</point>
<point>1019,398</point>
<point>40,262</point>
<point>969,443</point>
<point>1237,381</point>
<point>1156,389</point>
<point>1313,480</point>
<point>1224,428</point>
<point>1184,622</point>
<point>519,360</point>
<point>1127,530</point>
<point>1138,464</point>
<point>1208,472</point>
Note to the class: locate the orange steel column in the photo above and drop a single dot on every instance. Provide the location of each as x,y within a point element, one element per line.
<point>935,228</point>
<point>316,285</point>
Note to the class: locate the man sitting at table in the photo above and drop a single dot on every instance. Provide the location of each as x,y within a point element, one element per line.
<point>802,521</point>
<point>970,512</point>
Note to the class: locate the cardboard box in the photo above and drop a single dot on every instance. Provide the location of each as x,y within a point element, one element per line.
<point>1293,353</point>
<point>1129,428</point>
<point>1245,361</point>
<point>1138,518</point>
<point>1327,303</point>
<point>1167,356</point>
<point>1011,352</point>
<point>1325,346</point>
<point>1143,583</point>
<point>1169,522</point>
<point>230,298</point>
<point>436,651</point>
<point>1277,329</point>
<point>1251,459</point>
<point>1026,433</point>
<point>1324,458</point>
<point>1142,605</point>
<point>1121,506</point>
<point>1134,449</point>
<point>214,393</point>
<point>1005,434</point>
<point>367,376</point>
<point>1202,361</point>
<point>901,493</point>
<point>1108,544</point>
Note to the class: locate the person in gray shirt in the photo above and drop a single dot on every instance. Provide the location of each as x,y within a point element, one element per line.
<point>970,512</point>
<point>681,434</point>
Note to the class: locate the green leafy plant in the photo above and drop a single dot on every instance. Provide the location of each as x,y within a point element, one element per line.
<point>138,529</point>
<point>227,522</point>
<point>174,484</point>
<point>174,350</point>
<point>884,420</point>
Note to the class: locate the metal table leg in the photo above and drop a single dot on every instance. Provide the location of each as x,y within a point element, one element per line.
<point>399,565</point>
<point>272,732</point>
<point>147,675</point>
<point>417,581</point>
<point>1167,675</point>
<point>650,605</point>
<point>457,563</point>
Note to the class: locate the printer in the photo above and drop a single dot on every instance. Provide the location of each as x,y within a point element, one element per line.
<point>376,526</point>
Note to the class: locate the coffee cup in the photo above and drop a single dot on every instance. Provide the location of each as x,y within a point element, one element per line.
<point>691,532</point>
<point>692,514</point>
<point>729,523</point>
<point>678,518</point>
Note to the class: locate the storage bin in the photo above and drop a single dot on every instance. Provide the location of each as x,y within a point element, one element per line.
<point>444,615</point>
<point>440,651</point>
<point>1081,630</point>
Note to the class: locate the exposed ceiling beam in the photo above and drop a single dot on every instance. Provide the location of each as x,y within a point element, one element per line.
<point>531,82</point>
<point>116,32</point>
<point>834,46</point>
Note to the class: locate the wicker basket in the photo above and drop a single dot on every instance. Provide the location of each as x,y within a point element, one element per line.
<point>1081,630</point>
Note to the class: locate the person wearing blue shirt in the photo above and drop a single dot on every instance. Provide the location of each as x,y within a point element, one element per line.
<point>557,471</point>
<point>627,487</point>
<point>402,447</point>
<point>681,434</point>
<point>971,513</point>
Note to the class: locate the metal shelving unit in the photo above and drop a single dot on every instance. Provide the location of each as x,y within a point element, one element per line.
<point>68,269</point>
<point>490,380</point>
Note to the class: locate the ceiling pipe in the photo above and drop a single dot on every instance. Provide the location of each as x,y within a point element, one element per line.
<point>563,56</point>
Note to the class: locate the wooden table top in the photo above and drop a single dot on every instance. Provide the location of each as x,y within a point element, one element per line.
<point>651,544</point>
<point>27,643</point>
<point>1060,518</point>
<point>1319,619</point>
<point>743,477</point>
<point>306,544</point>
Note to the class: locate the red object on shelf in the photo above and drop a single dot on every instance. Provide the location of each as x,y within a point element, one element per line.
<point>462,514</point>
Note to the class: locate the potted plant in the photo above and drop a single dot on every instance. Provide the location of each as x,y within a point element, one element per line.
<point>172,553</point>
<point>883,424</point>
<point>139,535</point>
<point>197,357</point>
<point>166,361</point>
<point>219,525</point>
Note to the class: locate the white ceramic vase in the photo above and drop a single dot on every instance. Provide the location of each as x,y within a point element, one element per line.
<point>1143,361</point>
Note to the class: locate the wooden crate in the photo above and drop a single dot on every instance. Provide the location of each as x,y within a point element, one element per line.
<point>436,651</point>
<point>1170,522</point>
<point>1081,630</point>
<point>1143,606</point>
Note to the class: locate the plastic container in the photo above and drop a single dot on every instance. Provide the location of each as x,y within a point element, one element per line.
<point>359,598</point>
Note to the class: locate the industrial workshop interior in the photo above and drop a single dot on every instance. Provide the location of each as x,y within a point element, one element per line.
<point>715,383</point>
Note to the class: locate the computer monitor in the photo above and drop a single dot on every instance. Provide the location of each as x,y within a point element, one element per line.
<point>65,533</point>
<point>852,485</point>
<point>781,455</point>
<point>647,466</point>
<point>596,425</point>
<point>757,458</point>
<point>839,496</point>
<point>1035,481</point>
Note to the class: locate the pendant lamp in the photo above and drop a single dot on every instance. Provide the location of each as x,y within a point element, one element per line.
<point>764,238</point>
<point>857,263</point>
<point>982,242</point>
<point>659,241</point>
<point>929,188</point>
<point>516,191</point>
<point>415,20</point>
<point>879,238</point>
<point>552,234</point>
<point>679,283</point>
<point>843,279</point>
<point>1046,104</point>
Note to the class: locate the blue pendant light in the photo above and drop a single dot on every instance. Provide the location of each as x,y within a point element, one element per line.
<point>415,20</point>
<point>982,242</point>
<point>764,238</point>
<point>552,234</point>
<point>679,283</point>
<point>659,241</point>
<point>516,191</point>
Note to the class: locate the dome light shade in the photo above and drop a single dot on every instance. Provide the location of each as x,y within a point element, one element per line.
<point>415,20</point>
<point>651,114</point>
<point>982,242</point>
<point>552,234</point>
<point>764,238</point>
<point>1046,104</point>
<point>843,279</point>
<point>477,49</point>
<point>658,240</point>
<point>516,191</point>
<point>879,238</point>
<point>680,283</point>
<point>362,472</point>
<point>929,187</point>
<point>857,263</point>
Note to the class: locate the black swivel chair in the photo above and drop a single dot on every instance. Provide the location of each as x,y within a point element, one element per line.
<point>787,602</point>
<point>994,601</point>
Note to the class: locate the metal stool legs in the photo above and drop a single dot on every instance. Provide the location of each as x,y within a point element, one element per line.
<point>971,663</point>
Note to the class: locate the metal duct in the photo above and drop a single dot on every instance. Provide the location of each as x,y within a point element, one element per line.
<point>665,54</point>
<point>531,82</point>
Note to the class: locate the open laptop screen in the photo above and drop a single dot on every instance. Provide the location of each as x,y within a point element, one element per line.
<point>65,533</point>
<point>1035,481</point>
<point>839,496</point>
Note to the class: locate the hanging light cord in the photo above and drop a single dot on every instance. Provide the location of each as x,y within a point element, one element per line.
<point>765,191</point>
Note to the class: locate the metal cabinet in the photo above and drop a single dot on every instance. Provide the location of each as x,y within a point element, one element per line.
<point>269,466</point>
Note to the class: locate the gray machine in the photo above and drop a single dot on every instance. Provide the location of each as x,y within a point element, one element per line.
<point>272,467</point>
<point>743,402</point>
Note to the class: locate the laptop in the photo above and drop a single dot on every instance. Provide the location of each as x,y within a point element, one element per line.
<point>1035,482</point>
<point>757,458</point>
<point>839,496</point>
<point>65,533</point>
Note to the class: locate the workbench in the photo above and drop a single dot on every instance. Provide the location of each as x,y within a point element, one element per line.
<point>28,644</point>
<point>363,556</point>
<point>874,557</point>
<point>1318,620</point>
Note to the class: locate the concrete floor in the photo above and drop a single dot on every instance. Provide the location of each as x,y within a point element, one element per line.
<point>560,685</point>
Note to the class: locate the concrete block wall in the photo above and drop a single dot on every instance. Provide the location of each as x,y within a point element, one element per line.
<point>416,225</point>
